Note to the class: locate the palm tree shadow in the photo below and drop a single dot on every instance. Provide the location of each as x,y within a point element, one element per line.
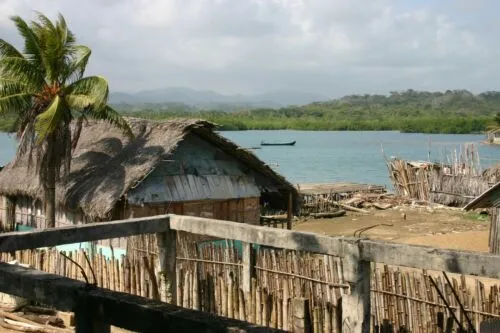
<point>103,174</point>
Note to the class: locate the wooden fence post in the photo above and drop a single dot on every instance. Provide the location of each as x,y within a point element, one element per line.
<point>301,316</point>
<point>356,307</point>
<point>248,261</point>
<point>167,246</point>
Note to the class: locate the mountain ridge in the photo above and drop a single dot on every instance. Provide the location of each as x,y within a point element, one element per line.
<point>209,99</point>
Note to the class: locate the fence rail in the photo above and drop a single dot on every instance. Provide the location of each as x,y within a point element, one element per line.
<point>356,254</point>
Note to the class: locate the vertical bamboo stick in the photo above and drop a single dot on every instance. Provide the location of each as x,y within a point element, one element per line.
<point>242,305</point>
<point>186,289</point>
<point>258,305</point>
<point>195,296</point>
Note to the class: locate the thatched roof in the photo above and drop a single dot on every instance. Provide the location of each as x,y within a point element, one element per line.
<point>106,164</point>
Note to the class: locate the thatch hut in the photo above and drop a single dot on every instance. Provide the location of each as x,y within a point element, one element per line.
<point>176,166</point>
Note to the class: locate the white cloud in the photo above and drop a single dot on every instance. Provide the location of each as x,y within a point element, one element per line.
<point>331,47</point>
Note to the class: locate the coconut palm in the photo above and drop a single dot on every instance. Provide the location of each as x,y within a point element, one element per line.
<point>45,89</point>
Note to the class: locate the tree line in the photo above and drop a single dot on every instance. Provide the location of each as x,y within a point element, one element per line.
<point>454,112</point>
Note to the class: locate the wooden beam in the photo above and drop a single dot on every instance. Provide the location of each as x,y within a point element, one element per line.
<point>14,241</point>
<point>425,257</point>
<point>113,308</point>
<point>279,238</point>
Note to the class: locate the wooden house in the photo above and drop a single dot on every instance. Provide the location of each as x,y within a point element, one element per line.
<point>490,199</point>
<point>178,166</point>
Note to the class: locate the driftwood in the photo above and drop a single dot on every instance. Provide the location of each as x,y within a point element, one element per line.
<point>12,327</point>
<point>337,213</point>
<point>275,217</point>
<point>354,209</point>
<point>382,206</point>
<point>39,310</point>
<point>43,329</point>
<point>347,207</point>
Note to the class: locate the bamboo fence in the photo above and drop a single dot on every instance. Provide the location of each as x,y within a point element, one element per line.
<point>209,279</point>
<point>455,181</point>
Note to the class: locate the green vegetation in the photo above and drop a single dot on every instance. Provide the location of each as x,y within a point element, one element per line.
<point>410,111</point>
<point>473,216</point>
<point>42,90</point>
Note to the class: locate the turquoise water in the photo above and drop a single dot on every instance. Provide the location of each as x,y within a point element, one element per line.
<point>334,156</point>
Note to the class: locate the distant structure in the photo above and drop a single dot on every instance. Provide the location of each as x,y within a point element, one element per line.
<point>490,199</point>
<point>493,136</point>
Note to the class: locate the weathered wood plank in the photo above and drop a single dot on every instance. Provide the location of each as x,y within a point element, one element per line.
<point>280,238</point>
<point>14,241</point>
<point>425,257</point>
<point>113,308</point>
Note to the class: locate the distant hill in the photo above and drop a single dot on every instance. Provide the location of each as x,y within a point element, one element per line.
<point>211,100</point>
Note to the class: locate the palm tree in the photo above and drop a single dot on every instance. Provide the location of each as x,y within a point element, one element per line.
<point>44,88</point>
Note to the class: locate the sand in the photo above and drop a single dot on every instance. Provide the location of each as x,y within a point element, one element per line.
<point>443,228</point>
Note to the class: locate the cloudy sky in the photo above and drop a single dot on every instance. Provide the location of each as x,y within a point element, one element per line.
<point>331,47</point>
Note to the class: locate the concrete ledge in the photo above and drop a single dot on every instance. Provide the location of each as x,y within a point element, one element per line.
<point>114,308</point>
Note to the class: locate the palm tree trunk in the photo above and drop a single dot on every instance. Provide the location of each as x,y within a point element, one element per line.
<point>50,198</point>
<point>50,186</point>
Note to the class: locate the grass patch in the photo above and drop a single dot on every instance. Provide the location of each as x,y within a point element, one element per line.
<point>474,216</point>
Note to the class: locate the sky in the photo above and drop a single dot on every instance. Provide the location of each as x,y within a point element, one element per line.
<point>328,47</point>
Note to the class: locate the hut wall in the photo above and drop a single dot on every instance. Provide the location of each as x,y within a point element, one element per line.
<point>246,210</point>
<point>29,213</point>
<point>196,171</point>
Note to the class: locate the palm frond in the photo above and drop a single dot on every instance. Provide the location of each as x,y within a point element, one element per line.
<point>46,22</point>
<point>21,70</point>
<point>7,50</point>
<point>66,34</point>
<point>91,91</point>
<point>31,45</point>
<point>48,121</point>
<point>76,66</point>
<point>15,102</point>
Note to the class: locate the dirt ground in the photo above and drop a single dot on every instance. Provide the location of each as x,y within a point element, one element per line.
<point>443,228</point>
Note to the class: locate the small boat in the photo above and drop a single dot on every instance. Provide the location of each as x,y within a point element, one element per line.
<point>291,143</point>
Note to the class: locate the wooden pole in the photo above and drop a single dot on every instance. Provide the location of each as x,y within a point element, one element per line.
<point>248,261</point>
<point>289,219</point>
<point>356,307</point>
<point>167,246</point>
